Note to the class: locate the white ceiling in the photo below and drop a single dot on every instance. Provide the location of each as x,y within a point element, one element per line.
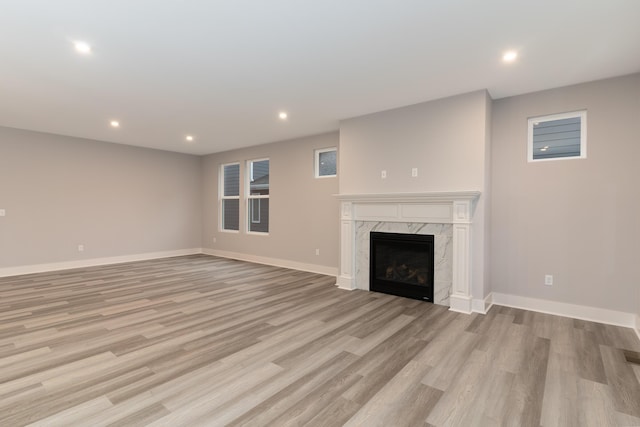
<point>222,70</point>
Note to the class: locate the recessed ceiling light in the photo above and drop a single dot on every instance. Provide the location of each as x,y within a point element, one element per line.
<point>283,115</point>
<point>82,47</point>
<point>189,138</point>
<point>114,123</point>
<point>510,56</point>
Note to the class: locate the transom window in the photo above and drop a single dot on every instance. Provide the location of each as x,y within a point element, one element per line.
<point>326,162</point>
<point>558,136</point>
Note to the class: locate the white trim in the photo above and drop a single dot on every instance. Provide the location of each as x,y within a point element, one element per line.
<point>461,285</point>
<point>468,305</point>
<point>346,279</point>
<point>257,233</point>
<point>637,328</point>
<point>460,303</point>
<point>593,314</point>
<point>435,196</point>
<point>93,262</point>
<point>345,283</point>
<point>482,306</point>
<point>276,262</point>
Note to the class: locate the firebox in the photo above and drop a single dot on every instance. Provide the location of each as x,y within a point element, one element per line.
<point>402,264</point>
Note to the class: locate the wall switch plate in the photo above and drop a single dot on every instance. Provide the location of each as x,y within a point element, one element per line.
<point>414,172</point>
<point>548,279</point>
<point>383,174</point>
<point>80,248</point>
<point>214,240</point>
<point>3,212</point>
<point>317,251</point>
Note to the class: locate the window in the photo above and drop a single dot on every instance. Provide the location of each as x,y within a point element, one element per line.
<point>558,136</point>
<point>325,162</point>
<point>258,196</point>
<point>230,197</point>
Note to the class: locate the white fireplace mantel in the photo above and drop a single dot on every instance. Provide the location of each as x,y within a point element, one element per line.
<point>454,208</point>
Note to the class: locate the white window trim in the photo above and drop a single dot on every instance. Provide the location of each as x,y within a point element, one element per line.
<point>223,197</point>
<point>316,162</point>
<point>572,114</point>
<point>249,197</point>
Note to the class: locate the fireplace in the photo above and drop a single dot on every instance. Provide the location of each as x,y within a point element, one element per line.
<point>402,264</point>
<point>445,215</point>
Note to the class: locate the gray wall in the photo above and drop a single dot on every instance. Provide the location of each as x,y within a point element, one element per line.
<point>447,140</point>
<point>115,199</point>
<point>575,219</point>
<point>303,210</point>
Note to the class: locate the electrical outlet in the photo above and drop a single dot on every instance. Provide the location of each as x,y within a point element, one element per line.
<point>317,251</point>
<point>548,279</point>
<point>414,172</point>
<point>80,248</point>
<point>3,212</point>
<point>383,174</point>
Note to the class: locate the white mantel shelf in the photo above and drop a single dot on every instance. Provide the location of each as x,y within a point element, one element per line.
<point>434,197</point>
<point>455,207</point>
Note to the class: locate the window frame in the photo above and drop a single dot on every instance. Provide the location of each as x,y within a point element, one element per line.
<point>532,121</point>
<point>316,161</point>
<point>249,198</point>
<point>222,197</point>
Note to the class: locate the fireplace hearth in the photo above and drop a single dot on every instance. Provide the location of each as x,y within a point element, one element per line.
<point>402,264</point>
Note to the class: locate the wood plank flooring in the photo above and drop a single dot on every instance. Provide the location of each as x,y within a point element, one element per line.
<point>206,341</point>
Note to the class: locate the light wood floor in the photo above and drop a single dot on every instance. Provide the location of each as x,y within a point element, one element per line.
<point>207,341</point>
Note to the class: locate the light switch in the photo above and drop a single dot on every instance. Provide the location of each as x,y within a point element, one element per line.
<point>414,172</point>
<point>383,174</point>
<point>3,212</point>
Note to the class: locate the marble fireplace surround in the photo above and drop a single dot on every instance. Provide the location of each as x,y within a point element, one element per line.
<point>446,215</point>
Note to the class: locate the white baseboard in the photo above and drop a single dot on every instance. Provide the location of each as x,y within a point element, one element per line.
<point>467,305</point>
<point>93,262</point>
<point>345,283</point>
<point>482,306</point>
<point>460,303</point>
<point>637,328</point>
<point>582,312</point>
<point>276,262</point>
